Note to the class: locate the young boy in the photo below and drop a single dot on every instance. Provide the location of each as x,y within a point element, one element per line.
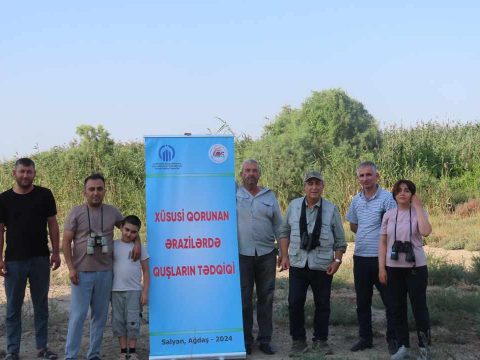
<point>128,294</point>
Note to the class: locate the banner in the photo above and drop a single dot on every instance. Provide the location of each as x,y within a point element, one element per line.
<point>195,306</point>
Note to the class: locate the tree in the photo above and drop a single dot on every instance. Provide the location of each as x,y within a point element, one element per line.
<point>329,126</point>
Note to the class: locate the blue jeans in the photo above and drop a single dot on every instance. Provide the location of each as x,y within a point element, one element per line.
<point>94,291</point>
<point>261,271</point>
<point>37,271</point>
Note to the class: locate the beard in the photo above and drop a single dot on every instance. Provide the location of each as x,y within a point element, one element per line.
<point>24,183</point>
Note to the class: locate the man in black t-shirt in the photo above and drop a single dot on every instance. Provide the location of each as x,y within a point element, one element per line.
<point>26,211</point>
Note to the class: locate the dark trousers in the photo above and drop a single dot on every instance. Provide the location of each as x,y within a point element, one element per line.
<point>365,274</point>
<point>414,282</point>
<point>36,271</point>
<point>321,283</point>
<point>258,270</point>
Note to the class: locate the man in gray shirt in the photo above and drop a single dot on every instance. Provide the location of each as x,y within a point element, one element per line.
<point>259,217</point>
<point>312,243</point>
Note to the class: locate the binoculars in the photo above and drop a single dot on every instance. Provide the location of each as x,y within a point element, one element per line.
<point>308,242</point>
<point>402,247</point>
<point>97,240</point>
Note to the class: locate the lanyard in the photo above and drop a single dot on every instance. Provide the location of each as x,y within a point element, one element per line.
<point>396,218</point>
<point>101,219</point>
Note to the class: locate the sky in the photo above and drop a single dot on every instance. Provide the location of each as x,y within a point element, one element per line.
<point>168,67</point>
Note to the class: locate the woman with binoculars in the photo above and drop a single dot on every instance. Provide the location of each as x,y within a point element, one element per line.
<point>403,266</point>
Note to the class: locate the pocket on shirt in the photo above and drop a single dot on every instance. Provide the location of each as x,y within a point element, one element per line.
<point>323,255</point>
<point>326,236</point>
<point>266,208</point>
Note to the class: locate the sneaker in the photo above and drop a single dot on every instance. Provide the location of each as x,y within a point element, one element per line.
<point>361,344</point>
<point>47,354</point>
<point>322,347</point>
<point>266,348</point>
<point>392,346</point>
<point>12,356</point>
<point>133,356</point>
<point>123,356</point>
<point>298,347</point>
<point>402,353</point>
<point>424,353</point>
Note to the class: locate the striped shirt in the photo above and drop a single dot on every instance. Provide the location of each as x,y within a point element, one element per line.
<point>368,214</point>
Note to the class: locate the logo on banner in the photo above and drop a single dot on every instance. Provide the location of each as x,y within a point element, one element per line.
<point>166,153</point>
<point>218,153</point>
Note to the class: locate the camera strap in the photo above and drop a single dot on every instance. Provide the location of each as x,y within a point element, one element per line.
<point>396,219</point>
<point>318,221</point>
<point>411,244</point>
<point>89,223</point>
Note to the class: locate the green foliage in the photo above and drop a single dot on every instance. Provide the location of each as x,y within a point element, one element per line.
<point>63,169</point>
<point>443,273</point>
<point>330,131</point>
<point>327,132</point>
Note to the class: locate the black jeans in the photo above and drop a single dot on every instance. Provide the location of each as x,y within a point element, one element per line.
<point>414,282</point>
<point>261,271</point>
<point>365,274</point>
<point>321,283</point>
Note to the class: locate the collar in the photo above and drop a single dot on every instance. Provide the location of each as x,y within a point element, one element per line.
<point>263,190</point>
<point>362,194</point>
<point>317,204</point>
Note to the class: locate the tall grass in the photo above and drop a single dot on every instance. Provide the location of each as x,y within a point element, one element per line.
<point>442,159</point>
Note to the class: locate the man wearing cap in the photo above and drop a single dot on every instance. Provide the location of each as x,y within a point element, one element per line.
<point>259,218</point>
<point>365,217</point>
<point>312,243</point>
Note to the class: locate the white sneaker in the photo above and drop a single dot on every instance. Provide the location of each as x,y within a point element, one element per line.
<point>402,353</point>
<point>423,354</point>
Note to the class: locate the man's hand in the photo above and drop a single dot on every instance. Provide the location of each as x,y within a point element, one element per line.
<point>3,268</point>
<point>73,275</point>
<point>382,276</point>
<point>55,261</point>
<point>279,260</point>
<point>333,268</point>
<point>136,251</point>
<point>144,298</point>
<point>284,263</point>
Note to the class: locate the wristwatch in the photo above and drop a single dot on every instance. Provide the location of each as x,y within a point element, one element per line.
<point>338,260</point>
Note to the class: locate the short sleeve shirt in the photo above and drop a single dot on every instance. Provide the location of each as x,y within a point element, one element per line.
<point>25,217</point>
<point>102,222</point>
<point>127,274</point>
<point>403,222</point>
<point>368,214</point>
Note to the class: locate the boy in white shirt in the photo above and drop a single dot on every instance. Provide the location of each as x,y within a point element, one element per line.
<point>128,294</point>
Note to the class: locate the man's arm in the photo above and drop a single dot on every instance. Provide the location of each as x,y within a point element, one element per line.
<point>339,245</point>
<point>54,234</point>
<point>146,281</point>
<point>68,236</point>
<point>284,261</point>
<point>3,267</point>
<point>352,216</point>
<point>353,227</point>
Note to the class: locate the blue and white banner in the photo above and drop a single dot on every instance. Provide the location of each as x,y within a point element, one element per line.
<point>195,303</point>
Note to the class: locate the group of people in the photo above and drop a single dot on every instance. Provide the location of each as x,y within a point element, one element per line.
<point>100,269</point>
<point>309,242</point>
<point>389,228</point>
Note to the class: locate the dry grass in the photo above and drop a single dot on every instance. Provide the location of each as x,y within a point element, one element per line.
<point>455,231</point>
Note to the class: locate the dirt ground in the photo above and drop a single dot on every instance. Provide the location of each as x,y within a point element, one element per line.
<point>341,337</point>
